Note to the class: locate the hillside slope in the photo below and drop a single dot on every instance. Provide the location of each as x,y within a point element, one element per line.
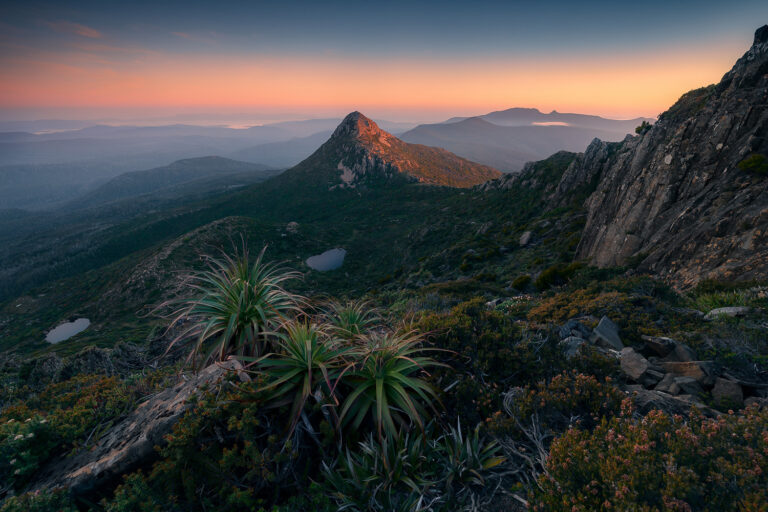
<point>137,183</point>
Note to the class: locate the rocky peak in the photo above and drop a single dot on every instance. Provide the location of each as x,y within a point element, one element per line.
<point>681,198</point>
<point>359,154</point>
<point>361,129</point>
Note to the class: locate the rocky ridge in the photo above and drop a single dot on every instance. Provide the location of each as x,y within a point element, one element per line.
<point>680,197</point>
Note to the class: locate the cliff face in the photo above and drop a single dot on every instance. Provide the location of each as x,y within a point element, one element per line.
<point>682,197</point>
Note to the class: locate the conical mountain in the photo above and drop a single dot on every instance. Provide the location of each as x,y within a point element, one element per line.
<point>360,154</point>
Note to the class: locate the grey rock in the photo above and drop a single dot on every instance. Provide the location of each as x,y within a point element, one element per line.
<point>675,197</point>
<point>733,311</point>
<point>571,346</point>
<point>633,364</point>
<point>574,328</point>
<point>684,353</point>
<point>665,383</point>
<point>659,344</point>
<point>525,238</point>
<point>646,400</point>
<point>727,392</point>
<point>607,334</point>
<point>651,378</point>
<point>686,385</point>
<point>701,371</point>
<point>46,369</point>
<point>130,443</point>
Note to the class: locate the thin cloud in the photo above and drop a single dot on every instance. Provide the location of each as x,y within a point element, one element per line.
<point>68,27</point>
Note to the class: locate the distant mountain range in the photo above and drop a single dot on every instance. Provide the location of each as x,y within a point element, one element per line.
<point>507,139</point>
<point>201,174</point>
<point>359,153</point>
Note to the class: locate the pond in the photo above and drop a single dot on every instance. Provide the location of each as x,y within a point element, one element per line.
<point>67,330</point>
<point>329,260</point>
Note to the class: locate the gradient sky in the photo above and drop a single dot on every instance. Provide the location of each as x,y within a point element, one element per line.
<point>390,59</point>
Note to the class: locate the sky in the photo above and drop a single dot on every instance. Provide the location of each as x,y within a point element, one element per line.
<point>397,60</point>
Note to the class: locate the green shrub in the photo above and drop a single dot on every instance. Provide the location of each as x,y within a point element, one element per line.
<point>556,275</point>
<point>521,282</point>
<point>755,163</point>
<point>643,128</point>
<point>659,462</point>
<point>46,501</point>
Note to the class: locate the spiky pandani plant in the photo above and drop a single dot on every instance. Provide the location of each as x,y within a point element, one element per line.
<point>307,364</point>
<point>239,305</point>
<point>387,382</point>
<point>417,471</point>
<point>351,319</point>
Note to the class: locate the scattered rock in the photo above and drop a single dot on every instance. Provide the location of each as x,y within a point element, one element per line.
<point>574,328</point>
<point>660,345</point>
<point>733,312</point>
<point>633,364</point>
<point>684,353</point>
<point>665,383</point>
<point>292,227</point>
<point>607,334</point>
<point>685,385</point>
<point>647,400</point>
<point>571,346</point>
<point>701,371</point>
<point>652,378</point>
<point>525,238</point>
<point>727,392</point>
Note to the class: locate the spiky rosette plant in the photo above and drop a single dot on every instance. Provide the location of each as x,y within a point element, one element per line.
<point>238,307</point>
<point>349,320</point>
<point>307,362</point>
<point>388,382</point>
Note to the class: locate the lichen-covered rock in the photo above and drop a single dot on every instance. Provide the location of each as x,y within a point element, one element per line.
<point>129,443</point>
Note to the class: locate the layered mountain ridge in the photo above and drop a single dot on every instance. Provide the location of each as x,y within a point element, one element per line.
<point>359,153</point>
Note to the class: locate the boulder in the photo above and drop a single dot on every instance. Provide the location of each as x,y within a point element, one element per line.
<point>571,346</point>
<point>607,334</point>
<point>686,386</point>
<point>574,328</point>
<point>727,392</point>
<point>633,364</point>
<point>130,443</point>
<point>732,311</point>
<point>525,238</point>
<point>684,353</point>
<point>701,371</point>
<point>651,378</point>
<point>660,345</point>
<point>647,400</point>
<point>665,383</point>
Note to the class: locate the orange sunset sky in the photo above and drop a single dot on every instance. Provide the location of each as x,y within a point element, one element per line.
<point>94,60</point>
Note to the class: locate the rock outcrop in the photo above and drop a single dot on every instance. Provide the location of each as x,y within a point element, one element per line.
<point>130,443</point>
<point>689,198</point>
